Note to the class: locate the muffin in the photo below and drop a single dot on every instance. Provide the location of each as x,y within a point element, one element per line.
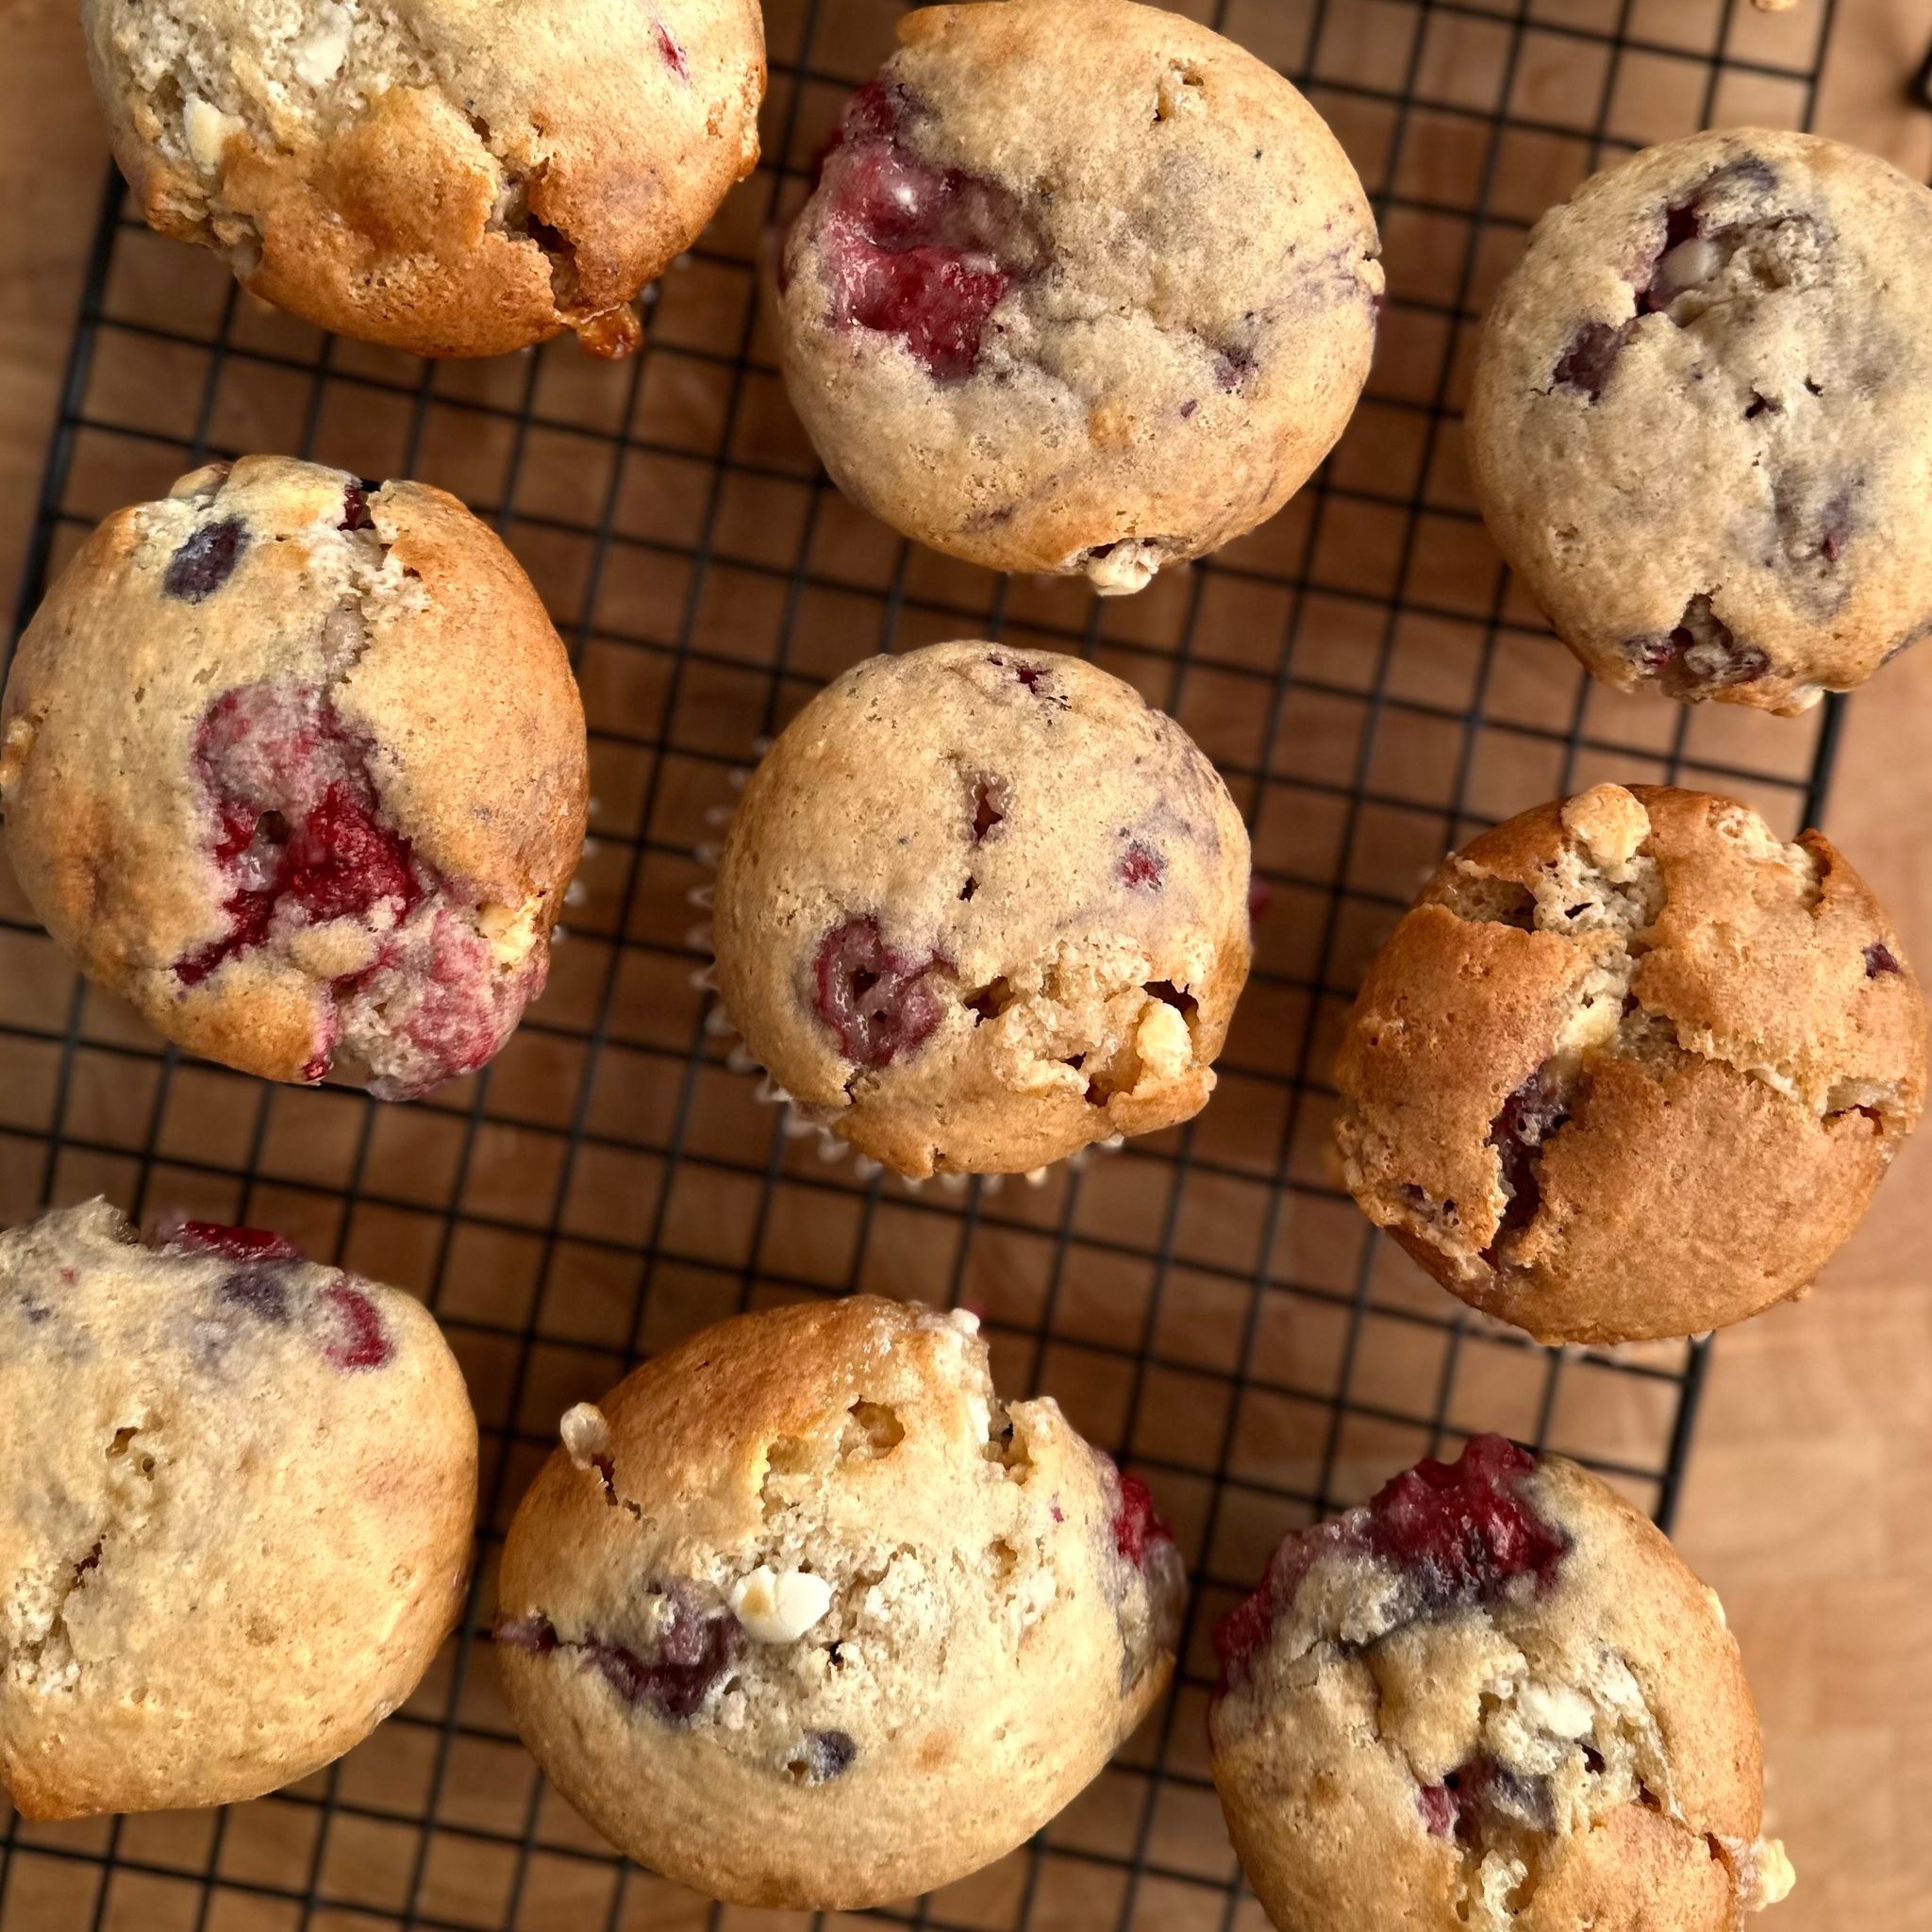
<point>1630,1067</point>
<point>297,765</point>
<point>979,907</point>
<point>1082,288</point>
<point>1698,428</point>
<point>802,1614</point>
<point>1492,1700</point>
<point>237,1493</point>
<point>444,177</point>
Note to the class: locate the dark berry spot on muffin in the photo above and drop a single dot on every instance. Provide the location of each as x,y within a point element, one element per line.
<point>233,1244</point>
<point>1032,675</point>
<point>356,508</point>
<point>1245,1631</point>
<point>1232,366</point>
<point>206,561</point>
<point>1135,1525</point>
<point>257,1292</point>
<point>911,249</point>
<point>1762,404</point>
<point>1438,1805</point>
<point>1140,868</point>
<point>875,999</point>
<point>356,1338</point>
<point>1485,1795</point>
<point>1526,1121</point>
<point>671,53</point>
<point>1463,1532</point>
<point>1189,408</point>
<point>535,1635</point>
<point>297,835</point>
<point>1589,358</point>
<point>1701,654</point>
<point>693,1652</point>
<point>823,1755</point>
<point>1880,959</point>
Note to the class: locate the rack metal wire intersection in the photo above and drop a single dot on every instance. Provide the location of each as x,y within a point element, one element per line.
<point>1207,1302</point>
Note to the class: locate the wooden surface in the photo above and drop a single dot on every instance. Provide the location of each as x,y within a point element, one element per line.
<point>1809,1503</point>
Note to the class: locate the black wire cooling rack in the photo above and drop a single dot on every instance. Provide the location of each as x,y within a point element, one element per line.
<point>1207,1302</point>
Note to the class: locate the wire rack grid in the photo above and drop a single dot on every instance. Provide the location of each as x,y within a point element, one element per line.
<point>1207,1302</point>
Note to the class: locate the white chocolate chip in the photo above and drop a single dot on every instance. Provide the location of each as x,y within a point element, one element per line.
<point>1610,821</point>
<point>206,130</point>
<point>1123,568</point>
<point>1559,1709</point>
<point>1162,1040</point>
<point>318,58</point>
<point>586,1434</point>
<point>511,931</point>
<point>964,1319</point>
<point>779,1608</point>
<point>1690,264</point>
<point>1771,1876</point>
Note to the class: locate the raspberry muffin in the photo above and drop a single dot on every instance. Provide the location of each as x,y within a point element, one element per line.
<point>236,1499</point>
<point>1083,287</point>
<point>297,765</point>
<point>979,907</point>
<point>1698,426</point>
<point>802,1614</point>
<point>446,176</point>
<point>1631,1068</point>
<point>1493,1699</point>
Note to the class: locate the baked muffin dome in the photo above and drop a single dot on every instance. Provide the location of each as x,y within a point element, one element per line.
<point>802,1614</point>
<point>237,1493</point>
<point>453,177</point>
<point>1698,425</point>
<point>1083,287</point>
<point>297,765</point>
<point>1631,1067</point>
<point>979,907</point>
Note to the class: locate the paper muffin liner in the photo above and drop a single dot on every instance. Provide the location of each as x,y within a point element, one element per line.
<point>800,1117</point>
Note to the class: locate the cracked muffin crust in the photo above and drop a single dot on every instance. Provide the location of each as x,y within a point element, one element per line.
<point>979,907</point>
<point>1083,287</point>
<point>1698,426</point>
<point>1630,1067</point>
<point>444,177</point>
<point>1492,1700</point>
<point>235,1512</point>
<point>296,764</point>
<point>802,1614</point>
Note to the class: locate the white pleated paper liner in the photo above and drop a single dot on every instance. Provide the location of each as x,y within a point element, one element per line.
<point>802,1119</point>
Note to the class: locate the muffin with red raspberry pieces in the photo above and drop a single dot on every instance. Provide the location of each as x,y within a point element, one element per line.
<point>803,1614</point>
<point>1631,1066</point>
<point>981,907</point>
<point>1492,1700</point>
<point>1697,423</point>
<point>236,1495</point>
<point>297,765</point>
<point>1083,287</point>
<point>446,176</point>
